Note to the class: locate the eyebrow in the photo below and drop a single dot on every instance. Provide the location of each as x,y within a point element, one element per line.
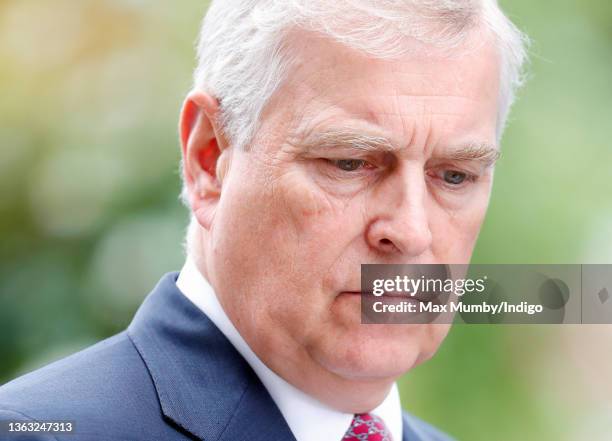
<point>482,152</point>
<point>338,138</point>
<point>341,138</point>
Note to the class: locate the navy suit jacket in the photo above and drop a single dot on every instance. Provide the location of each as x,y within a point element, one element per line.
<point>172,375</point>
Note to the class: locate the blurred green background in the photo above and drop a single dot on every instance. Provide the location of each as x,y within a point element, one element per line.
<point>90,217</point>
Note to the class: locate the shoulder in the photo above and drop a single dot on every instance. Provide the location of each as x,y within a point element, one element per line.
<point>99,388</point>
<point>417,429</point>
<point>108,366</point>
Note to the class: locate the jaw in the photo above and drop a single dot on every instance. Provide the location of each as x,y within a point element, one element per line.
<point>354,372</point>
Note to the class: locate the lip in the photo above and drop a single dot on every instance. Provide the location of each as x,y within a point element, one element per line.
<point>416,317</point>
<point>396,295</point>
<point>386,294</point>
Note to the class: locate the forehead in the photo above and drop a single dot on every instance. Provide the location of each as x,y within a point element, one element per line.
<point>329,83</point>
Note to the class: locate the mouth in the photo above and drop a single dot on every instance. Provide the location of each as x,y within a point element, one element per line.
<point>394,296</point>
<point>404,315</point>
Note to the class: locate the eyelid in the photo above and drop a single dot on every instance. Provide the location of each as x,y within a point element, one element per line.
<point>333,171</point>
<point>366,163</point>
<point>471,178</point>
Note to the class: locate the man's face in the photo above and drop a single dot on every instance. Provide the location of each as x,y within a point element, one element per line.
<point>357,161</point>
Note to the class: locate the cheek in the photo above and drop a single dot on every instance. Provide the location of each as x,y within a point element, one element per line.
<point>304,202</point>
<point>455,232</point>
<point>325,225</point>
<point>322,226</point>
<point>435,335</point>
<point>244,222</point>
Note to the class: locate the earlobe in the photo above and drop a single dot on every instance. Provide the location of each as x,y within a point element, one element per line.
<point>202,143</point>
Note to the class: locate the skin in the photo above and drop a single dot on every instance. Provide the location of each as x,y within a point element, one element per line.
<point>283,227</point>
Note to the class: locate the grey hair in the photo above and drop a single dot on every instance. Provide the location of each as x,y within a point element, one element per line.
<point>242,61</point>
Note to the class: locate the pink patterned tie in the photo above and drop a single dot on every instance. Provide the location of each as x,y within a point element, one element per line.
<point>367,427</point>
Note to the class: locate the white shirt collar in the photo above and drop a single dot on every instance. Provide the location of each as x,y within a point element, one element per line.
<point>298,408</point>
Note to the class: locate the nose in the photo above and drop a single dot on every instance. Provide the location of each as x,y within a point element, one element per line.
<point>399,224</point>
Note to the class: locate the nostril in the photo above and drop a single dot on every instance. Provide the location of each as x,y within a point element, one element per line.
<point>387,246</point>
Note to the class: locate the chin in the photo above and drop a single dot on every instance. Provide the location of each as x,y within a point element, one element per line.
<point>378,352</point>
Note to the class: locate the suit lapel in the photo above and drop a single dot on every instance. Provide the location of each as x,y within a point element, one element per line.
<point>408,432</point>
<point>203,384</point>
<point>416,430</point>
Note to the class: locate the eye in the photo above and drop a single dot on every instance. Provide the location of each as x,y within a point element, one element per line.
<point>349,165</point>
<point>454,177</point>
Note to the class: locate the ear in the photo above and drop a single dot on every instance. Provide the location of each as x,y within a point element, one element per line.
<point>202,143</point>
